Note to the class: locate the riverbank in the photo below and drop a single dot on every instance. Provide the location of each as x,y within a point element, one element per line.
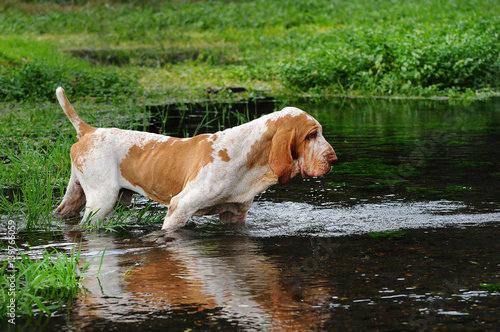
<point>124,65</point>
<point>182,51</point>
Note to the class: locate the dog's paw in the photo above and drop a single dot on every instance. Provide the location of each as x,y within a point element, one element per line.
<point>158,237</point>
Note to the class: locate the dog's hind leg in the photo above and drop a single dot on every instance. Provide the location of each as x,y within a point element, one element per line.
<point>99,204</point>
<point>126,196</point>
<point>73,201</point>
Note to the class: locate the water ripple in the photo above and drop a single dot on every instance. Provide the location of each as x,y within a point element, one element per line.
<point>268,219</point>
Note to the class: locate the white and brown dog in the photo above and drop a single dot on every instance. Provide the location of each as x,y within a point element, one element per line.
<point>207,174</point>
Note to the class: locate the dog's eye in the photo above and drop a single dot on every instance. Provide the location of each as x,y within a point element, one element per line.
<point>312,135</point>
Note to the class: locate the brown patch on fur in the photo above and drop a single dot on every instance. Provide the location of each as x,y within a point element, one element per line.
<point>81,149</point>
<point>163,169</point>
<point>279,145</point>
<point>223,155</point>
<point>84,129</point>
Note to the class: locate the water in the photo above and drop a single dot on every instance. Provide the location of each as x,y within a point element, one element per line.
<point>304,260</point>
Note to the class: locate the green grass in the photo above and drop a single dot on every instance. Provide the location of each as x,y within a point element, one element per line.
<point>32,71</point>
<point>124,217</point>
<point>35,163</point>
<point>458,189</point>
<point>387,234</point>
<point>491,287</point>
<point>42,284</point>
<point>422,59</point>
<point>158,52</point>
<point>177,49</point>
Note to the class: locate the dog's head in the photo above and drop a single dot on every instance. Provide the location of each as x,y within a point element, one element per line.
<point>298,146</point>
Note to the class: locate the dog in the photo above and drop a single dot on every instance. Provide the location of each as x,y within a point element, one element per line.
<point>203,175</point>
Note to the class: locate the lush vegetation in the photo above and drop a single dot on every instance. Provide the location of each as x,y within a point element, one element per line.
<point>147,51</point>
<point>33,70</point>
<point>178,49</point>
<point>41,284</point>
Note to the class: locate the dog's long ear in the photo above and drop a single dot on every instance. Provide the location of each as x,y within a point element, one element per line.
<point>280,156</point>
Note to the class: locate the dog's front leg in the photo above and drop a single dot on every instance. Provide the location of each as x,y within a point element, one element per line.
<point>174,220</point>
<point>188,202</point>
<point>237,214</point>
<point>179,211</point>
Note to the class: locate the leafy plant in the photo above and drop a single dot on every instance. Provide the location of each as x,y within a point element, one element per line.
<point>38,80</point>
<point>394,60</point>
<point>178,49</point>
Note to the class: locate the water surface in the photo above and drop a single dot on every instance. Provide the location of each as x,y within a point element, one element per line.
<point>304,260</point>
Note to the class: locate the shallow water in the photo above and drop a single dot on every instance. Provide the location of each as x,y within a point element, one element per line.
<point>226,279</point>
<point>304,260</point>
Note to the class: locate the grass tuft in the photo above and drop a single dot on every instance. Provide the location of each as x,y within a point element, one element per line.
<point>45,284</point>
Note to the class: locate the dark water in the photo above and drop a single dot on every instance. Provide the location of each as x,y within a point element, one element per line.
<point>304,260</point>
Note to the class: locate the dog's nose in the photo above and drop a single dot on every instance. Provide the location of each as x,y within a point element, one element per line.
<point>331,158</point>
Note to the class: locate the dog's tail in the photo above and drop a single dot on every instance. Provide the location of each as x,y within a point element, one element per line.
<point>81,127</point>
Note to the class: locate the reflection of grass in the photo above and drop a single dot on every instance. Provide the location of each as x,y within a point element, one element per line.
<point>457,143</point>
<point>458,188</point>
<point>448,192</point>
<point>386,234</point>
<point>473,164</point>
<point>338,185</point>
<point>381,172</point>
<point>422,190</point>
<point>367,167</point>
<point>491,287</point>
<point>377,185</point>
